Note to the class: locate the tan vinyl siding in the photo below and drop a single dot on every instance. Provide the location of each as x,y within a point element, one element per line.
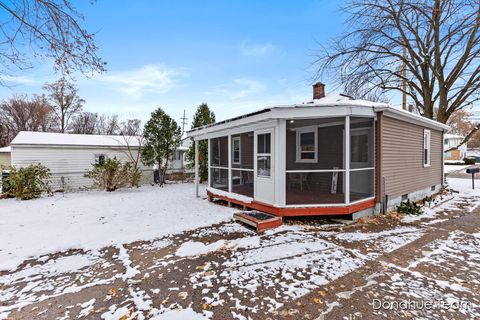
<point>70,162</point>
<point>402,157</point>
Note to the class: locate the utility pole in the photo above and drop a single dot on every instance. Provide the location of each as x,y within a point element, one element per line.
<point>404,82</point>
<point>184,121</point>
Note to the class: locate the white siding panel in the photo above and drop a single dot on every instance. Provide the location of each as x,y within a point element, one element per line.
<point>70,162</point>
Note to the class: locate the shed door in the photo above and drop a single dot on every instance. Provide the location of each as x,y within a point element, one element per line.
<point>264,162</point>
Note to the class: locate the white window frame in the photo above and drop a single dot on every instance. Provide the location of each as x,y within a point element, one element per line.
<point>299,132</point>
<point>427,145</point>
<point>258,155</point>
<point>239,150</point>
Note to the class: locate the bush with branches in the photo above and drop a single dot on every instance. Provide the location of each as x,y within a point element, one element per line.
<point>112,174</point>
<point>27,183</point>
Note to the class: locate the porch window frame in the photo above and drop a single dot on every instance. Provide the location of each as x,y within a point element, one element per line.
<point>237,138</point>
<point>298,145</point>
<point>263,154</point>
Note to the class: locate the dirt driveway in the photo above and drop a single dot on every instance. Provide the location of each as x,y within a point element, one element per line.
<point>382,268</point>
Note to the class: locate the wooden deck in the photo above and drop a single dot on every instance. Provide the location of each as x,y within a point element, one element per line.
<point>299,211</point>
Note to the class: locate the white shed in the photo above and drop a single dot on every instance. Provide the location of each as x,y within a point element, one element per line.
<point>71,155</point>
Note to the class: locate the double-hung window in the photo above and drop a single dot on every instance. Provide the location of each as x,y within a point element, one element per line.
<point>426,147</point>
<point>307,145</point>
<point>264,155</point>
<point>236,150</point>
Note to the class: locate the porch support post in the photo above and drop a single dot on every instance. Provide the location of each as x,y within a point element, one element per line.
<point>229,163</point>
<point>347,160</point>
<point>209,162</point>
<point>196,169</point>
<point>280,159</point>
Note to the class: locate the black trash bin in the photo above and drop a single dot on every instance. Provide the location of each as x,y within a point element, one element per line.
<point>5,184</point>
<point>156,176</point>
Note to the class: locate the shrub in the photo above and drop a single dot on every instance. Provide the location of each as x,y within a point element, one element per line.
<point>409,207</point>
<point>111,174</point>
<point>469,161</point>
<point>27,183</point>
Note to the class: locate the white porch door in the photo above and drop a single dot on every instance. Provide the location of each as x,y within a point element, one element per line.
<point>263,166</point>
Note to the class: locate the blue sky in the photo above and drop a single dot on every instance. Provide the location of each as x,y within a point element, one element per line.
<point>238,56</point>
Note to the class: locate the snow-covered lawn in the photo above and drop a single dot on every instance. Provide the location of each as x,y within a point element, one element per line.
<point>95,219</point>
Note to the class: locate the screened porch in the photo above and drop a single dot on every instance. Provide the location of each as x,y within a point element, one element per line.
<point>318,168</point>
<point>317,162</point>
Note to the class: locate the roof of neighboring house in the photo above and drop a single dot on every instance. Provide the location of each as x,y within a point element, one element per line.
<point>452,136</point>
<point>67,139</point>
<point>6,149</point>
<point>332,100</point>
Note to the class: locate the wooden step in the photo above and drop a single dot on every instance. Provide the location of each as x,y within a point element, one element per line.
<point>261,221</point>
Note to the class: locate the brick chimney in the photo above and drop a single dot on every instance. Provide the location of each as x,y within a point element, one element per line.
<point>318,90</point>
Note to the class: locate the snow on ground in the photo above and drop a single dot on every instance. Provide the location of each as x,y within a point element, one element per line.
<point>95,219</point>
<point>462,189</point>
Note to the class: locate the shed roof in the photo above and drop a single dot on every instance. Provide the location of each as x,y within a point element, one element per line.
<point>6,149</point>
<point>67,139</point>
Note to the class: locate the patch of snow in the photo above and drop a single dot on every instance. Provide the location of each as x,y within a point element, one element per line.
<point>95,219</point>
<point>54,267</point>
<point>114,314</point>
<point>87,308</point>
<point>179,314</point>
<point>191,248</point>
<point>388,240</point>
<point>124,257</point>
<point>232,196</point>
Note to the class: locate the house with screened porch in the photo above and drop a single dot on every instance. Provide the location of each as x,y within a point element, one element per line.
<point>331,155</point>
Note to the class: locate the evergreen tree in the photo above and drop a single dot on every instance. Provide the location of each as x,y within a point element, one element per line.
<point>162,137</point>
<point>202,117</point>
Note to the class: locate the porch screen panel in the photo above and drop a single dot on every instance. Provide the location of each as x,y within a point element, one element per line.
<point>242,182</point>
<point>362,158</point>
<point>315,144</point>
<point>362,146</point>
<point>315,188</point>
<point>219,178</point>
<point>242,163</point>
<point>361,184</point>
<point>242,151</point>
<point>218,154</point>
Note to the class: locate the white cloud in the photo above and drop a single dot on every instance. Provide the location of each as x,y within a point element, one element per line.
<point>18,79</point>
<point>256,50</point>
<point>239,88</point>
<point>148,78</point>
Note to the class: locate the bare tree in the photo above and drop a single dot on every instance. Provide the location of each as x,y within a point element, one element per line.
<point>34,29</point>
<point>21,113</point>
<point>131,127</point>
<point>108,125</point>
<point>441,40</point>
<point>63,97</point>
<point>84,123</point>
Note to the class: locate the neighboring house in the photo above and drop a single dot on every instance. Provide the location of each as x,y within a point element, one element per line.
<point>330,155</point>
<point>5,158</point>
<point>179,162</point>
<point>70,156</point>
<point>474,154</point>
<point>453,140</point>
